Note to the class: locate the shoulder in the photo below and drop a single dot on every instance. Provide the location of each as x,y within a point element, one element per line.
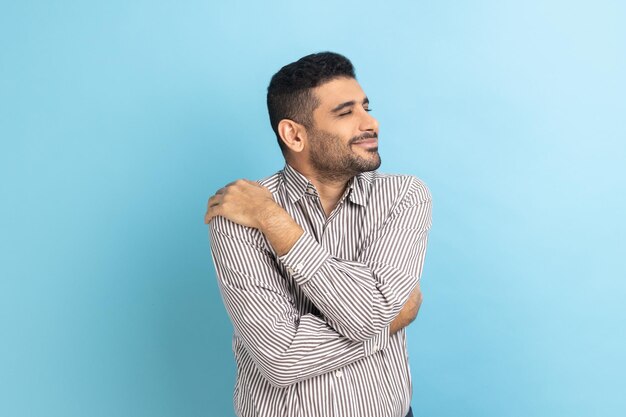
<point>220,227</point>
<point>226,233</point>
<point>272,182</point>
<point>404,188</point>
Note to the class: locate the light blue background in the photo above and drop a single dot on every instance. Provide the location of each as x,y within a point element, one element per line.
<point>118,119</point>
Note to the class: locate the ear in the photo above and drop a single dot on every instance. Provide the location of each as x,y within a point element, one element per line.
<point>292,134</point>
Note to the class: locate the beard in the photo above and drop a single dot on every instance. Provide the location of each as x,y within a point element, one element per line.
<point>335,160</point>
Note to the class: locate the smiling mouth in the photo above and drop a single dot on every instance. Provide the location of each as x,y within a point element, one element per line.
<point>368,143</point>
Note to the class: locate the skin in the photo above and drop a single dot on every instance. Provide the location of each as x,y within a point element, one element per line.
<point>342,142</point>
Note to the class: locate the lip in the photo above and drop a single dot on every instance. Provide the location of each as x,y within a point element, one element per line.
<point>367,142</point>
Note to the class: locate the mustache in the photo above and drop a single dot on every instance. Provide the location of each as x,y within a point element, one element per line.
<point>363,137</point>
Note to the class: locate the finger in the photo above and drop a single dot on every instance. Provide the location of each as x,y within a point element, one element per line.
<point>215,200</point>
<point>213,203</point>
<point>224,188</point>
<point>230,184</point>
<point>241,182</point>
<point>207,215</point>
<point>211,213</point>
<point>256,184</point>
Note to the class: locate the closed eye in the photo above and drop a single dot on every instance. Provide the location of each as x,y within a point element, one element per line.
<point>348,112</point>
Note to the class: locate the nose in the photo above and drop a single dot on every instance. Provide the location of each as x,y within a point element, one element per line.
<point>368,122</point>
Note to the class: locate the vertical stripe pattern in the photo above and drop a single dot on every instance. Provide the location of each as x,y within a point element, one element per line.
<point>311,327</point>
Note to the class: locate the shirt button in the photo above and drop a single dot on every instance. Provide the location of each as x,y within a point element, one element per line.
<point>290,270</point>
<point>299,267</point>
<point>339,373</point>
<point>376,348</point>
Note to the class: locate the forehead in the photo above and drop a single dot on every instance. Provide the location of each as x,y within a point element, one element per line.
<point>338,91</point>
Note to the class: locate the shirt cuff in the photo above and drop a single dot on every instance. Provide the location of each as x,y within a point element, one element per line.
<point>304,258</point>
<point>377,343</point>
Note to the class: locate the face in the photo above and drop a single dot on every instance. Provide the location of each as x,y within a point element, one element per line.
<point>344,139</point>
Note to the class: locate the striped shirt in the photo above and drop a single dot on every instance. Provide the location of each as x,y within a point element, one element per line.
<point>311,327</point>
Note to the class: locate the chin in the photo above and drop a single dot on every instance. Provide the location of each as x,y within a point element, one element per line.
<point>372,165</point>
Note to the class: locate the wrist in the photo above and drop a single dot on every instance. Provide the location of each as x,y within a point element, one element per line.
<point>268,215</point>
<point>281,231</point>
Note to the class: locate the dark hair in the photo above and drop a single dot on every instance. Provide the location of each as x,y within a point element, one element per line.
<point>290,95</point>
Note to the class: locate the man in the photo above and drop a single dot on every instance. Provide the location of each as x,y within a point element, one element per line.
<point>319,264</point>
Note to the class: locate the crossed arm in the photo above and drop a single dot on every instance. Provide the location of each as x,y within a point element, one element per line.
<point>362,301</point>
<point>286,345</point>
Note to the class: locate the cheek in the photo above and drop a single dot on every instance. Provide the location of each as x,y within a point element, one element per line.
<point>339,127</point>
<point>344,135</point>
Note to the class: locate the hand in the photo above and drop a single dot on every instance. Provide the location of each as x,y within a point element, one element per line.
<point>244,202</point>
<point>408,312</point>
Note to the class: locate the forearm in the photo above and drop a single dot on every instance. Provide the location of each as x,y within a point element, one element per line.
<point>286,345</point>
<point>357,299</point>
<point>380,279</point>
<point>279,228</point>
<point>303,348</point>
<point>282,233</point>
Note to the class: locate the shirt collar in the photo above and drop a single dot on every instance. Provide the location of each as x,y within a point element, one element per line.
<point>297,185</point>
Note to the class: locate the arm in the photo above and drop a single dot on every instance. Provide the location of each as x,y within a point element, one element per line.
<point>286,346</point>
<point>359,298</point>
<point>408,312</point>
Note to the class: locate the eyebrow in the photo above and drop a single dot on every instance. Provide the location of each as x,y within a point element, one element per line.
<point>348,104</point>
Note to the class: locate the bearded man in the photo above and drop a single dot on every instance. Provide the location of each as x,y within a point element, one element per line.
<point>319,264</point>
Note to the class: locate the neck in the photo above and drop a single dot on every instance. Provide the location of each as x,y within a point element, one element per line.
<point>330,187</point>
<point>329,191</point>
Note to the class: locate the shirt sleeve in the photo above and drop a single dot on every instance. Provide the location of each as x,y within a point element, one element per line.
<point>361,297</point>
<point>286,346</point>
